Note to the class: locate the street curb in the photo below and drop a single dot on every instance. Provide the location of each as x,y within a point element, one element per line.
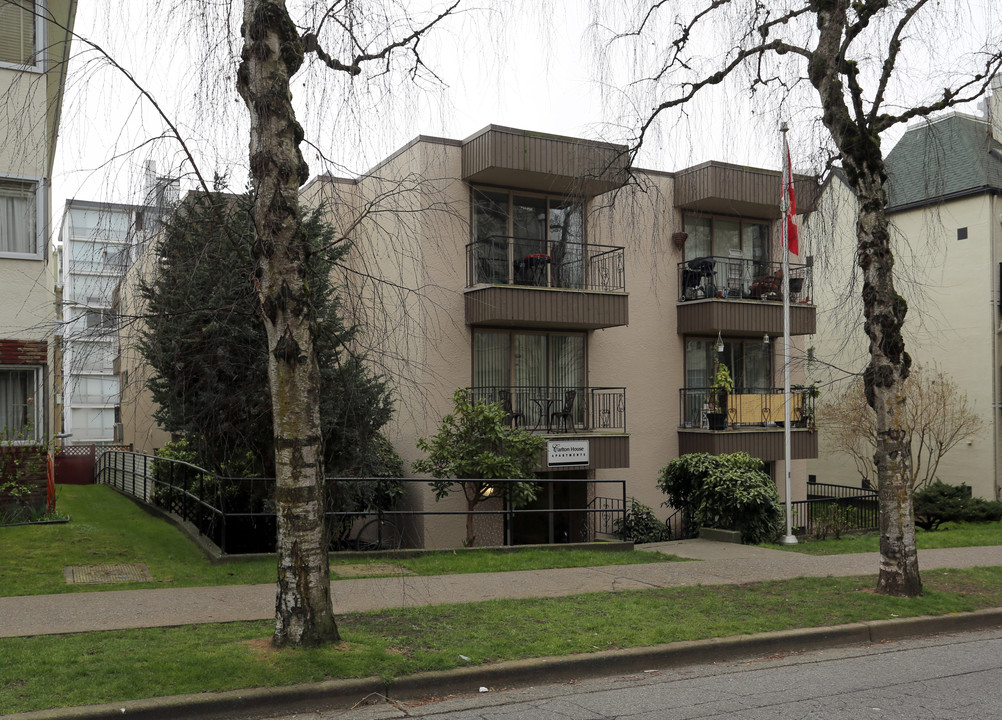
<point>341,694</point>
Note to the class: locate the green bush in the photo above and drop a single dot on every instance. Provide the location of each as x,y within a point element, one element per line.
<point>939,502</point>
<point>641,525</point>
<point>724,491</point>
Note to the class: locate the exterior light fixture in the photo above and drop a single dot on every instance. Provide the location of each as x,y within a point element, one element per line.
<point>720,343</point>
<point>765,339</point>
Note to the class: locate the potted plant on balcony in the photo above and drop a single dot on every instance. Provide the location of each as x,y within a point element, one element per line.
<point>720,388</point>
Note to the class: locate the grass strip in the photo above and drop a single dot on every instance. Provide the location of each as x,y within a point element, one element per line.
<point>948,536</point>
<point>108,528</point>
<point>88,668</point>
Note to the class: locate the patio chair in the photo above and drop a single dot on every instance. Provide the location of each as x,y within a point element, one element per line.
<point>566,414</point>
<point>511,417</point>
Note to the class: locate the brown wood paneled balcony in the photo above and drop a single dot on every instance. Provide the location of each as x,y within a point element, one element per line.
<point>718,187</point>
<point>741,297</point>
<point>751,421</point>
<point>525,282</point>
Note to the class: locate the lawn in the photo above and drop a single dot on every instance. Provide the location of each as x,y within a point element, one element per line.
<point>108,528</point>
<point>949,535</point>
<point>87,668</point>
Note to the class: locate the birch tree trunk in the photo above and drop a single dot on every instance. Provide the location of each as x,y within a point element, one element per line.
<point>883,309</point>
<point>272,53</point>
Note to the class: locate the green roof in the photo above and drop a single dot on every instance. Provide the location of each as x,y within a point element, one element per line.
<point>947,157</point>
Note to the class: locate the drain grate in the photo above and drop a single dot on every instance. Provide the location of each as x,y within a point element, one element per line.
<point>370,570</point>
<point>106,574</point>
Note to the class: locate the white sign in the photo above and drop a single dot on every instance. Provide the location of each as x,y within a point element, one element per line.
<point>564,453</point>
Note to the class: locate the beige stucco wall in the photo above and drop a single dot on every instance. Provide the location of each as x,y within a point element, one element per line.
<point>952,321</point>
<point>136,402</point>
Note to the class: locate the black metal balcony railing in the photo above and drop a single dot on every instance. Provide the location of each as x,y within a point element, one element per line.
<point>703,408</point>
<point>499,260</point>
<point>560,408</point>
<point>735,278</point>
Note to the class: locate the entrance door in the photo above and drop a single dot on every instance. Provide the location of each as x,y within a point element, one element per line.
<point>553,518</point>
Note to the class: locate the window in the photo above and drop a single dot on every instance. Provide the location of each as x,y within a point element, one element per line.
<point>18,214</point>
<point>749,362</point>
<point>94,390</point>
<point>529,360</point>
<point>17,32</point>
<point>538,369</point>
<point>528,239</point>
<point>726,237</point>
<point>92,423</point>
<point>20,401</point>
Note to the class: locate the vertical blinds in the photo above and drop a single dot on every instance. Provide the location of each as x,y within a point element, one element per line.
<point>17,32</point>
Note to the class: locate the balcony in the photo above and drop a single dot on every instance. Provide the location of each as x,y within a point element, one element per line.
<point>528,282</point>
<point>593,414</point>
<point>751,422</point>
<point>742,297</point>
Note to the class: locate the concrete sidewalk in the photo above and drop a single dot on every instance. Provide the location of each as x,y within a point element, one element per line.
<point>717,564</point>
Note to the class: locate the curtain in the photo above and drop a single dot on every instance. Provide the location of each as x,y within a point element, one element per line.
<point>491,363</point>
<point>16,387</point>
<point>17,217</point>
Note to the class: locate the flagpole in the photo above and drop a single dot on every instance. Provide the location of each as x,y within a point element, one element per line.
<point>789,538</point>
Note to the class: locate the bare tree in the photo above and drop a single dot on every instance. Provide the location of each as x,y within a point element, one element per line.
<point>853,56</point>
<point>274,49</point>
<point>938,416</point>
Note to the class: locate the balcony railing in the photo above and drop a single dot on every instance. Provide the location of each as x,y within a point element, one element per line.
<point>499,260</point>
<point>703,408</point>
<point>560,408</point>
<point>736,278</point>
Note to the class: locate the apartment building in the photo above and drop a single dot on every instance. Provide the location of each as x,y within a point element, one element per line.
<point>34,47</point>
<point>97,242</point>
<point>593,303</point>
<point>944,185</point>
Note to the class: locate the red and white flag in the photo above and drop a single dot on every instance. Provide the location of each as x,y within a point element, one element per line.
<point>791,203</point>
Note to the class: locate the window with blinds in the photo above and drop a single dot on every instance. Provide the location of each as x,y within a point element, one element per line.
<point>17,32</point>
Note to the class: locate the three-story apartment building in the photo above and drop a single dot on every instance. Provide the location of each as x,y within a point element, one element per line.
<point>593,303</point>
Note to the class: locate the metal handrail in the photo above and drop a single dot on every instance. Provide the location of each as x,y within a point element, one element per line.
<point>560,264</point>
<point>738,278</point>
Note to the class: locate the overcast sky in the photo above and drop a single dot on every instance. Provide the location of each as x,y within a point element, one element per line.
<point>533,66</point>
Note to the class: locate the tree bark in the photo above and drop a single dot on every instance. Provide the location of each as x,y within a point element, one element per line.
<point>272,53</point>
<point>883,309</point>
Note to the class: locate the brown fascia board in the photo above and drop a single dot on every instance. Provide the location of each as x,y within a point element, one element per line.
<point>545,136</point>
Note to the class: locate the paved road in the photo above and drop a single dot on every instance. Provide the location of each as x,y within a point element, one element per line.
<point>950,676</point>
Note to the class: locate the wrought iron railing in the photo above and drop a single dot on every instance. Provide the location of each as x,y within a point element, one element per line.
<point>500,260</point>
<point>560,408</point>
<point>608,517</point>
<point>735,278</point>
<point>704,408</point>
<point>238,514</point>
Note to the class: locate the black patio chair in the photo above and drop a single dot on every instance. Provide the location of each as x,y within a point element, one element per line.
<point>566,414</point>
<point>511,417</point>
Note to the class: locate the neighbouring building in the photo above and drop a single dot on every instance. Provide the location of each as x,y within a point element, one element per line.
<point>944,185</point>
<point>96,244</point>
<point>34,48</point>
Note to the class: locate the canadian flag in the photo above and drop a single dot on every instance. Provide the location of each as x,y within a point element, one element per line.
<point>791,206</point>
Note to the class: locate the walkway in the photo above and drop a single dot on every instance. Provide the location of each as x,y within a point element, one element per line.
<point>718,564</point>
